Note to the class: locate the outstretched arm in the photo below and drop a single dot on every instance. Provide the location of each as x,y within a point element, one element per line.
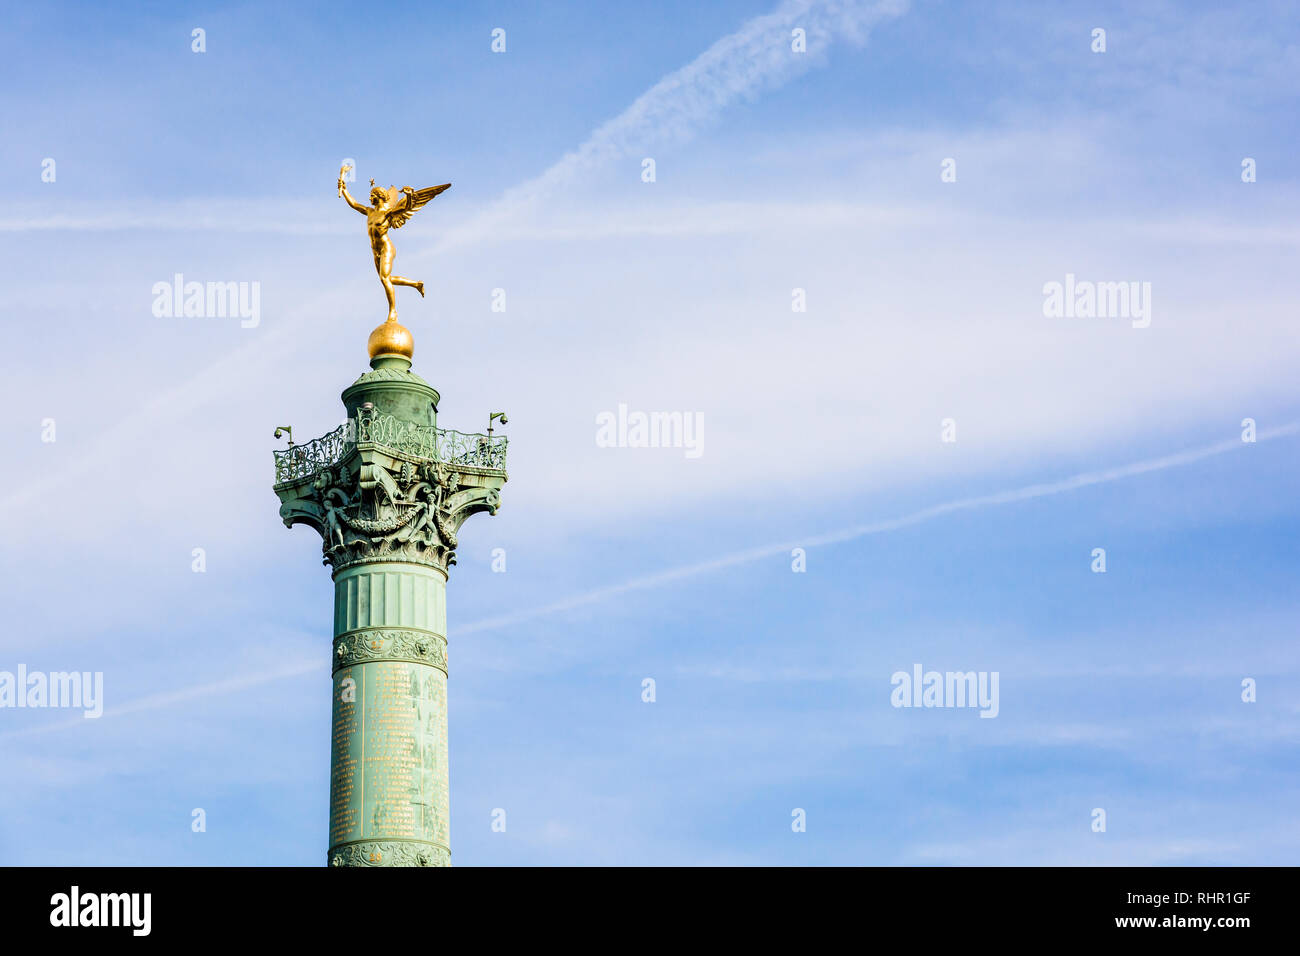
<point>346,196</point>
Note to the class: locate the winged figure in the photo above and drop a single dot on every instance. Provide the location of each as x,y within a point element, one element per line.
<point>392,208</point>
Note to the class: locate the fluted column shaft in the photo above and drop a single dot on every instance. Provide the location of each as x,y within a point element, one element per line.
<point>389,793</point>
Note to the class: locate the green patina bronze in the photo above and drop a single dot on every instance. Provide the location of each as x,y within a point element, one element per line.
<point>388,492</point>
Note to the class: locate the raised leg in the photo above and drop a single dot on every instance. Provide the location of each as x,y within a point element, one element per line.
<point>417,286</point>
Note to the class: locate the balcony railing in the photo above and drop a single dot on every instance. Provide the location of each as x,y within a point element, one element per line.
<point>401,436</point>
<point>303,461</point>
<point>476,449</point>
<point>439,444</point>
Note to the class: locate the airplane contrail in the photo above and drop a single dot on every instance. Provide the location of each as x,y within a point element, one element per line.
<point>157,701</point>
<point>1025,493</point>
<point>747,556</point>
<point>757,56</point>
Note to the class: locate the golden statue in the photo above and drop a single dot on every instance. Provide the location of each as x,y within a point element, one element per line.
<point>392,208</point>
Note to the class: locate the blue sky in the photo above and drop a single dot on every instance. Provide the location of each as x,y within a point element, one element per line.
<point>1119,691</point>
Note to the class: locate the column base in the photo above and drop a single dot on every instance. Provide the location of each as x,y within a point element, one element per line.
<point>389,853</point>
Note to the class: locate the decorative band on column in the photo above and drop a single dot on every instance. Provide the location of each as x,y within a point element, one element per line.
<point>390,644</point>
<point>390,853</point>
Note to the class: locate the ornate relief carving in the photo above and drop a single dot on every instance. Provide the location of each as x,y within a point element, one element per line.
<point>400,492</point>
<point>406,511</point>
<point>390,644</point>
<point>390,853</point>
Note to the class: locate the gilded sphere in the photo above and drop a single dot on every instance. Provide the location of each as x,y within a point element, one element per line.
<point>391,338</point>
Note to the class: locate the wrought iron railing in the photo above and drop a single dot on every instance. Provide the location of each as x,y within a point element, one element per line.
<point>303,461</point>
<point>399,435</point>
<point>440,444</point>
<point>478,450</point>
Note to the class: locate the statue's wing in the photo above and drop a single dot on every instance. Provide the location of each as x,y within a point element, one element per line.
<point>413,202</point>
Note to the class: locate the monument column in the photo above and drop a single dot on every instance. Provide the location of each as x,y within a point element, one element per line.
<point>388,492</point>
